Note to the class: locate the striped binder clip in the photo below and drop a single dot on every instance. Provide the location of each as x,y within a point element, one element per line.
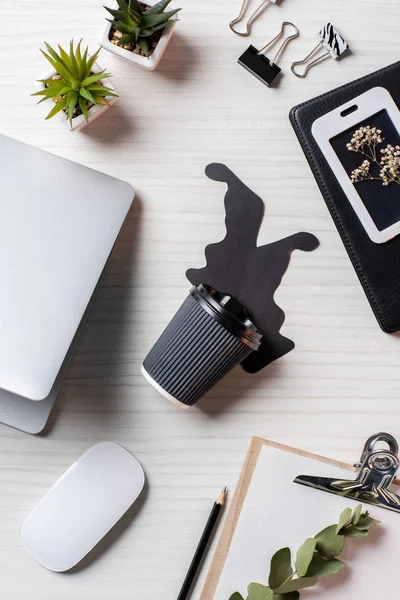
<point>331,41</point>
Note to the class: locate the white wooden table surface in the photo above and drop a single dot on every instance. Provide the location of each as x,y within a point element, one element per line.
<point>338,386</point>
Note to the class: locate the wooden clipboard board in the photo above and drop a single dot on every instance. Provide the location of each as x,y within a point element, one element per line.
<point>238,499</point>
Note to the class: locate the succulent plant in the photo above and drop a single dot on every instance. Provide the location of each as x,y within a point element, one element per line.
<point>137,25</point>
<point>75,85</point>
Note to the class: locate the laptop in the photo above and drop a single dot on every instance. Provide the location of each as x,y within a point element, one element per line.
<point>58,223</point>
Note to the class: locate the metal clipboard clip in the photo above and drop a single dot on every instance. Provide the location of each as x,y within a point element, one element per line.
<point>331,41</point>
<point>252,18</point>
<point>376,471</point>
<point>259,65</point>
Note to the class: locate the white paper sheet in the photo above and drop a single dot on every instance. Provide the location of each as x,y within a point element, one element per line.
<point>278,512</point>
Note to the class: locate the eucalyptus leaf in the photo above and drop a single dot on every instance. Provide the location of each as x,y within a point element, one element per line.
<point>329,544</point>
<point>356,514</point>
<point>366,522</point>
<point>304,556</point>
<point>296,584</point>
<point>355,532</point>
<point>289,596</point>
<point>257,591</point>
<point>281,568</point>
<point>320,567</point>
<point>236,596</point>
<point>344,518</point>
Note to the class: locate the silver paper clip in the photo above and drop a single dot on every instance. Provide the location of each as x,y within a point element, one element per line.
<point>376,471</point>
<point>252,18</point>
<point>331,41</point>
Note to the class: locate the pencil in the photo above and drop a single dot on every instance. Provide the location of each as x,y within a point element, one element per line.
<point>203,544</point>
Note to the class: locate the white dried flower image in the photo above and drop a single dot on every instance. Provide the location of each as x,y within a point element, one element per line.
<point>390,162</point>
<point>362,172</point>
<point>365,141</point>
<point>365,138</point>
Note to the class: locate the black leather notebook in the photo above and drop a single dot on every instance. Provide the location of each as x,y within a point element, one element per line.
<point>377,265</point>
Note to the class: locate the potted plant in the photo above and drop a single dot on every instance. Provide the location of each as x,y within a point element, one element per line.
<point>77,89</point>
<point>139,32</point>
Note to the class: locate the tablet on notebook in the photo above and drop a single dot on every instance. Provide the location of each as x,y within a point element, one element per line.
<point>59,222</point>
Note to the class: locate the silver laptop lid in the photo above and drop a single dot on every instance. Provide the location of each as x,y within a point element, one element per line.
<point>58,223</point>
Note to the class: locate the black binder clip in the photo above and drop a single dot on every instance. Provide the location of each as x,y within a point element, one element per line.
<point>259,65</point>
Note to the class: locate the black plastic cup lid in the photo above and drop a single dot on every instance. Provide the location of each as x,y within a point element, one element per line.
<point>229,312</point>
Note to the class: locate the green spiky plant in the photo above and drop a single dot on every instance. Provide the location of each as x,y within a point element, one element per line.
<point>77,85</point>
<point>137,25</point>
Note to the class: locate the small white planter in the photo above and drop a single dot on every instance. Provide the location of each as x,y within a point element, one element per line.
<point>94,112</point>
<point>146,63</point>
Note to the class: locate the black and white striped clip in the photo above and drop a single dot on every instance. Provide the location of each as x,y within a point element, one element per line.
<point>259,65</point>
<point>331,41</point>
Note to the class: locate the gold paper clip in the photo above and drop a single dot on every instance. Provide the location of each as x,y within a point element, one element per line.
<point>252,18</point>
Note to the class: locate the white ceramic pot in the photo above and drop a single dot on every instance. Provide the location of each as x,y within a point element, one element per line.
<point>94,112</point>
<point>146,63</point>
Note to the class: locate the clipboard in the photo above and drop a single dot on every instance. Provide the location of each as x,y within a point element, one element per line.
<point>239,497</point>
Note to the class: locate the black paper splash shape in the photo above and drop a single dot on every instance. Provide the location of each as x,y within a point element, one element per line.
<point>250,273</point>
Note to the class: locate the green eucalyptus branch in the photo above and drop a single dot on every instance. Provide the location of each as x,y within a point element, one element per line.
<point>317,557</point>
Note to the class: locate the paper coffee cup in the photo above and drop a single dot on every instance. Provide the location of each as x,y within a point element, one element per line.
<point>209,335</point>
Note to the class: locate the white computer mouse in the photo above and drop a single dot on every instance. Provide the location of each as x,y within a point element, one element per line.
<point>82,506</point>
